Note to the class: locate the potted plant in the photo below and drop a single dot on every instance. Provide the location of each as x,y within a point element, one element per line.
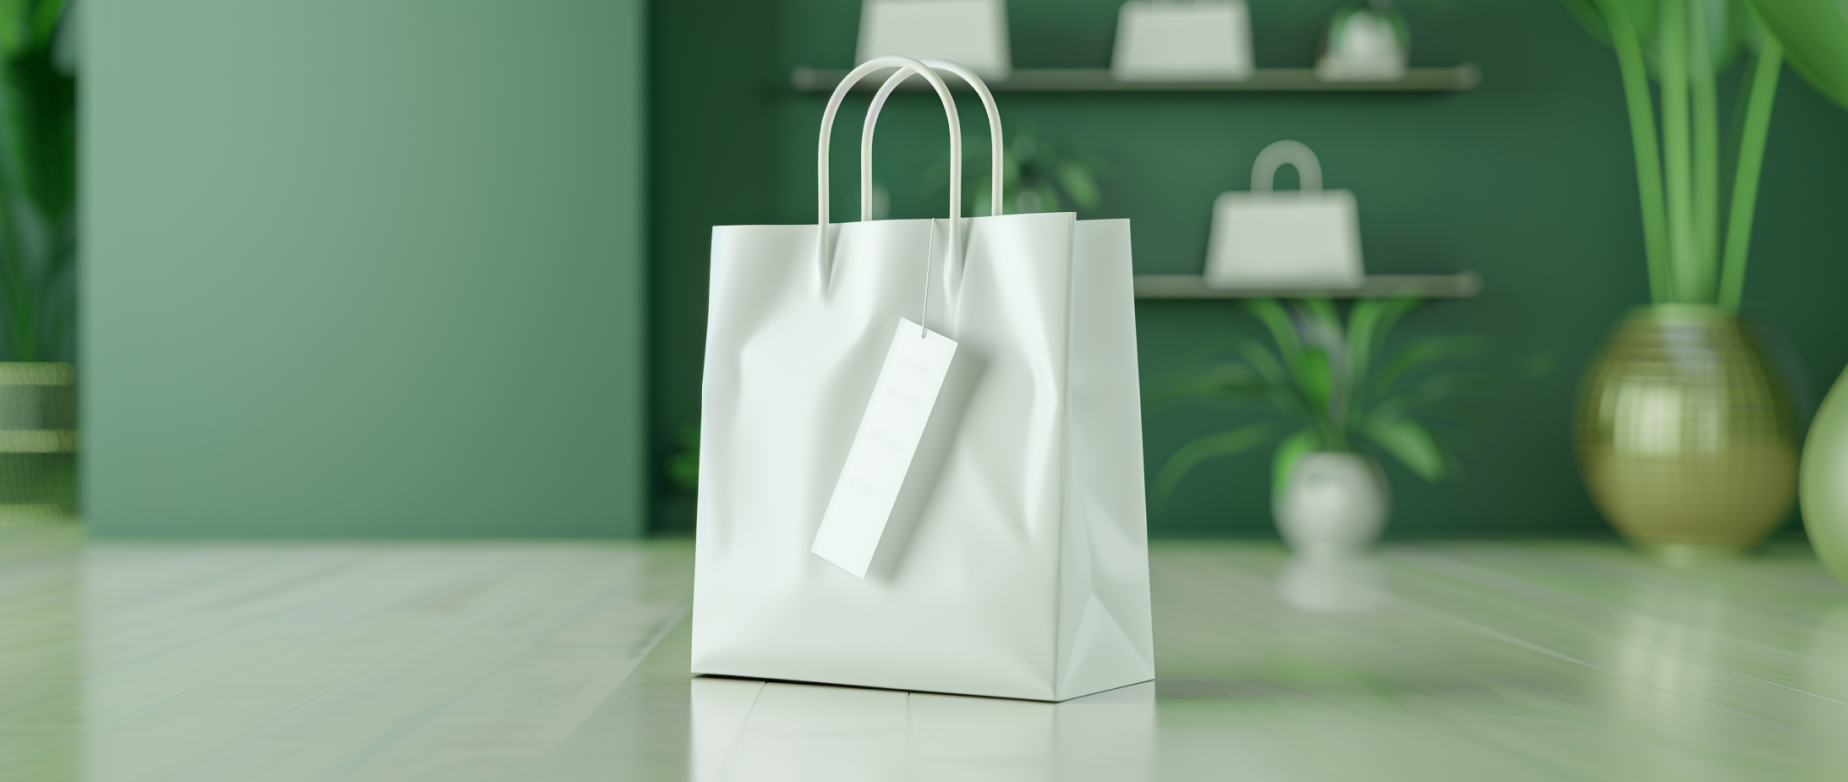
<point>37,250</point>
<point>1038,175</point>
<point>1815,36</point>
<point>1329,400</point>
<point>1684,428</point>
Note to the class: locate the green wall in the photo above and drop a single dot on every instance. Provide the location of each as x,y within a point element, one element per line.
<point>713,160</point>
<point>1528,179</point>
<point>363,268</point>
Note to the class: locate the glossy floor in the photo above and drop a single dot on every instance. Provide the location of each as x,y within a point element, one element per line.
<point>567,661</point>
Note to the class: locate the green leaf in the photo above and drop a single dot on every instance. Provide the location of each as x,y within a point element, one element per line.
<point>1229,348</point>
<point>1265,363</point>
<point>1316,377</point>
<point>1729,28</point>
<point>1300,442</point>
<point>1815,38</point>
<point>682,467</point>
<point>1282,328</point>
<point>1368,324</point>
<point>1213,346</point>
<point>1390,311</point>
<point>1420,352</point>
<point>1079,185</point>
<point>1321,313</point>
<point>1049,198</point>
<point>1410,442</point>
<point>15,26</point>
<point>1591,15</point>
<point>1228,380</point>
<point>45,19</point>
<point>1588,15</point>
<point>1363,319</point>
<point>1212,446</point>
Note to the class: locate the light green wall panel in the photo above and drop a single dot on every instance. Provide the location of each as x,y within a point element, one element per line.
<point>367,269</point>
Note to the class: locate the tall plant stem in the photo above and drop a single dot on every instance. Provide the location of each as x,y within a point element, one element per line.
<point>54,310</point>
<point>1753,132</point>
<point>13,274</point>
<point>1706,104</point>
<point>1676,150</point>
<point>1643,138</point>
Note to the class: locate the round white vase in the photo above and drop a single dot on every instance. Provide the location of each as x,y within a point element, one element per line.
<point>1333,505</point>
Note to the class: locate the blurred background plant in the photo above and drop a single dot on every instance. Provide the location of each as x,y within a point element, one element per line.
<point>38,179</point>
<point>1322,385</point>
<point>38,248</point>
<point>1814,34</point>
<point>681,468</point>
<point>1684,45</point>
<point>1038,174</point>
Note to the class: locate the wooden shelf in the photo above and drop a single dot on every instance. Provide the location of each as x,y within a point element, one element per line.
<point>1457,79</point>
<point>1377,286</point>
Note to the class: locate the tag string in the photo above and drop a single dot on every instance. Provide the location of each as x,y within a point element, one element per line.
<point>930,255</point>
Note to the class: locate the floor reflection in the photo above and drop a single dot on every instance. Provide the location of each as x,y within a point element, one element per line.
<point>41,661</point>
<point>145,662</point>
<point>1696,664</point>
<point>1825,678</point>
<point>1668,644</point>
<point>1336,584</point>
<point>750,731</point>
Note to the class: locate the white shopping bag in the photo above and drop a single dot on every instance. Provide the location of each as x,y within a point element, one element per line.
<point>1014,562</point>
<point>752,730</point>
<point>1285,240</point>
<point>1169,41</point>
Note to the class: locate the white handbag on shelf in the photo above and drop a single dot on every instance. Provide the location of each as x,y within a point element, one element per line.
<point>1363,45</point>
<point>970,32</point>
<point>1013,561</point>
<point>1285,240</point>
<point>1161,40</point>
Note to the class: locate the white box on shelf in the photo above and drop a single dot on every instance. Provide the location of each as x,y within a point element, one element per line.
<point>1285,240</point>
<point>1205,40</point>
<point>970,32</point>
<point>1363,46</point>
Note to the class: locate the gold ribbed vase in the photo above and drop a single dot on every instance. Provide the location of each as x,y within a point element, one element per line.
<point>38,442</point>
<point>1686,433</point>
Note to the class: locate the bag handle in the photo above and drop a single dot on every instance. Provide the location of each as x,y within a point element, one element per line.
<point>827,129</point>
<point>872,119</point>
<point>1293,153</point>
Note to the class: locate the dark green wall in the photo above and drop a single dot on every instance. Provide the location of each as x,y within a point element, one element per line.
<point>1528,179</point>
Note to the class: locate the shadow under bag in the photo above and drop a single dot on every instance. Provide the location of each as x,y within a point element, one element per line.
<point>1013,561</point>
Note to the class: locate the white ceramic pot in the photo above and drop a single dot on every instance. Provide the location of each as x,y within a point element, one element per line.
<point>1333,505</point>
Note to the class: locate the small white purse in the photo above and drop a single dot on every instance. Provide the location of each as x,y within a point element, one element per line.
<point>1289,240</point>
<point>970,32</point>
<point>1363,45</point>
<point>1158,40</point>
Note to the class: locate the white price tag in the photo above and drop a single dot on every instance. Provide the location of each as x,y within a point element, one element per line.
<point>882,450</point>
